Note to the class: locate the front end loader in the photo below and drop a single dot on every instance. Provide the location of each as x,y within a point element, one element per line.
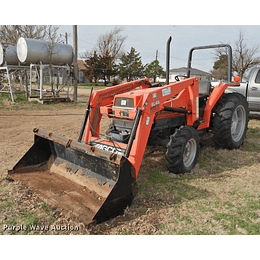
<point>94,178</point>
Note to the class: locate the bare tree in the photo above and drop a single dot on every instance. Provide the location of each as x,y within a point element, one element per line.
<point>52,36</point>
<point>110,43</point>
<point>9,34</point>
<point>244,58</point>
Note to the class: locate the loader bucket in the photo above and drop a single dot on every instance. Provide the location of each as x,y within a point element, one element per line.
<point>92,184</point>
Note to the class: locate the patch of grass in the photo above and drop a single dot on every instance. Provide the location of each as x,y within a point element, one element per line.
<point>8,204</point>
<point>159,226</point>
<point>21,98</point>
<point>21,103</point>
<point>205,209</point>
<point>156,182</point>
<point>251,146</point>
<point>248,196</point>
<point>228,204</point>
<point>242,218</point>
<point>253,205</point>
<point>44,206</point>
<point>156,178</point>
<point>202,232</point>
<point>189,192</point>
<point>253,215</point>
<point>30,219</point>
<point>143,209</point>
<point>90,85</point>
<point>5,96</point>
<point>187,219</point>
<point>217,203</point>
<point>253,132</point>
<point>187,231</point>
<point>11,221</point>
<point>123,232</point>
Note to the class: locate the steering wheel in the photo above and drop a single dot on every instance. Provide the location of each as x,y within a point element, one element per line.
<point>177,77</point>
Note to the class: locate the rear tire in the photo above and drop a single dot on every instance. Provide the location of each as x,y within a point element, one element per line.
<point>182,150</point>
<point>230,121</point>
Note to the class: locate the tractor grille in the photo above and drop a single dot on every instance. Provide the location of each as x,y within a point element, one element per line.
<point>124,102</point>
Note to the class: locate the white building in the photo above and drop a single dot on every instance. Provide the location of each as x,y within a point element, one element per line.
<point>180,72</point>
<point>203,76</point>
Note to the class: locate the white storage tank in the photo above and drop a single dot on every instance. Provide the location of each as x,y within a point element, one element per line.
<point>8,54</point>
<point>34,51</point>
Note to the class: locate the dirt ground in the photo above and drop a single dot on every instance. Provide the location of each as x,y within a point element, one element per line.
<point>16,130</point>
<point>150,208</point>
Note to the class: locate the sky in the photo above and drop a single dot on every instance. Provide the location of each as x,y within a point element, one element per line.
<point>147,39</point>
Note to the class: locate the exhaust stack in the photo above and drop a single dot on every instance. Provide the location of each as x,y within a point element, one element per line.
<point>168,60</point>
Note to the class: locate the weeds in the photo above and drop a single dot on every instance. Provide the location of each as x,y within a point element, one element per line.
<point>220,196</point>
<point>21,102</point>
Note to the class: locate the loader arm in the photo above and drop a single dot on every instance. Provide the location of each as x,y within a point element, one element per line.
<point>104,97</point>
<point>183,94</point>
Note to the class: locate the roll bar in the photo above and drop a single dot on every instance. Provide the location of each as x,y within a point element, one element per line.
<point>211,47</point>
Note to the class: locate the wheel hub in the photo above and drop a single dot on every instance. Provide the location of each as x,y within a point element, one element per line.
<point>238,123</point>
<point>189,152</point>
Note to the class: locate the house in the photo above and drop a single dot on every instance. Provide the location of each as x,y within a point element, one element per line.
<point>82,68</point>
<point>203,76</point>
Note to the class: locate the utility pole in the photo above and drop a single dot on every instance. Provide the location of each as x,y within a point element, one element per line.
<point>156,54</point>
<point>66,37</point>
<point>75,63</point>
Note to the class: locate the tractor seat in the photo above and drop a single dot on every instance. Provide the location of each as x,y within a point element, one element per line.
<point>204,88</point>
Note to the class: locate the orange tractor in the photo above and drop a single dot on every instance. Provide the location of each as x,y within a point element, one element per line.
<point>95,177</point>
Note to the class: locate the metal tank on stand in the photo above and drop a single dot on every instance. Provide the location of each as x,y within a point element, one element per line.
<point>35,51</point>
<point>8,54</point>
<point>45,56</point>
<point>11,70</point>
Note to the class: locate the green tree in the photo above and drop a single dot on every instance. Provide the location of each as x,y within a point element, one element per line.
<point>131,67</point>
<point>92,67</point>
<point>100,67</point>
<point>107,67</point>
<point>154,70</point>
<point>220,68</point>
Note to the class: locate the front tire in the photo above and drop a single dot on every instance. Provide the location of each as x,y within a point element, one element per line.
<point>182,150</point>
<point>230,121</point>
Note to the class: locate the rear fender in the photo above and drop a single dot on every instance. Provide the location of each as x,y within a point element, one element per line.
<point>215,96</point>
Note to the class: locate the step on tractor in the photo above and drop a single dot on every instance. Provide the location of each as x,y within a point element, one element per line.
<point>94,177</point>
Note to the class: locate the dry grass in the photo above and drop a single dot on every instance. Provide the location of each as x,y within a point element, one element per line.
<point>220,196</point>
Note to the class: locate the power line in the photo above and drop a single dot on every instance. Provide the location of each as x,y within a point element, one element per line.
<point>69,36</point>
<point>173,57</point>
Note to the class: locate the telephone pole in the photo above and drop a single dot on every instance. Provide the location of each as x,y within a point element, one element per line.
<point>75,63</point>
